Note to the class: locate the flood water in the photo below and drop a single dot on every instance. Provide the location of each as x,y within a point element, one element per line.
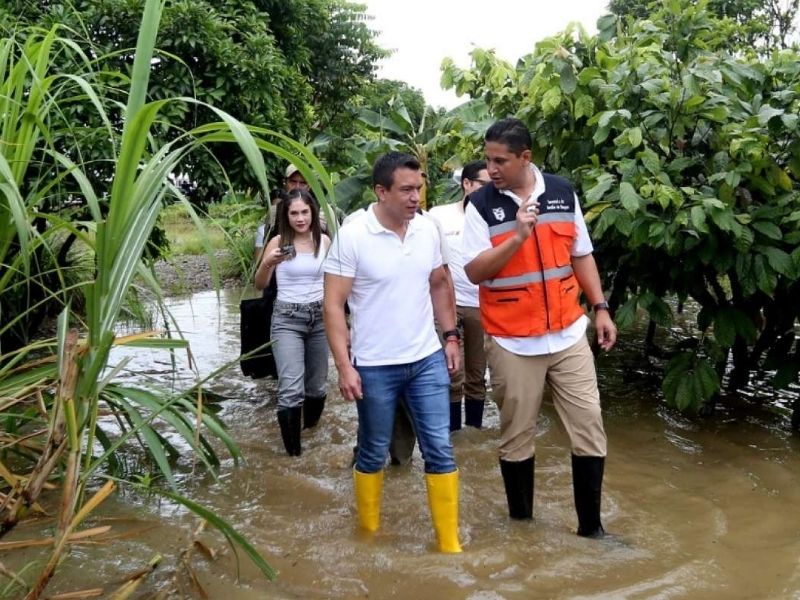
<point>702,509</point>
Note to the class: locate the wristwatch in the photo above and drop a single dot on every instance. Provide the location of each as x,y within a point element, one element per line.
<point>452,333</point>
<point>600,306</point>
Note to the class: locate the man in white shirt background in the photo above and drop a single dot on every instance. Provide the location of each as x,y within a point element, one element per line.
<point>469,382</point>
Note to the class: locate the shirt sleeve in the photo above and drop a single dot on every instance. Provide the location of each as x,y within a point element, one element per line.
<point>260,236</point>
<point>354,215</point>
<point>476,234</point>
<point>583,243</point>
<point>342,259</point>
<point>443,247</point>
<point>438,248</point>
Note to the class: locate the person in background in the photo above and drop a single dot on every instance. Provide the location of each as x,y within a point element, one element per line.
<point>387,266</point>
<point>293,179</point>
<point>527,246</point>
<point>469,382</point>
<point>266,230</point>
<point>300,347</point>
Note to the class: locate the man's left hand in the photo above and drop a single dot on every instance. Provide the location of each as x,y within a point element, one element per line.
<point>452,356</point>
<point>606,330</point>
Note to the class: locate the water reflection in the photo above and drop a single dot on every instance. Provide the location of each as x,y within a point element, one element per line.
<point>703,509</point>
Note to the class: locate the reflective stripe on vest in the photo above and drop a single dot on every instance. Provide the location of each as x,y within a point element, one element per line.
<point>536,292</point>
<point>530,277</point>
<point>546,218</point>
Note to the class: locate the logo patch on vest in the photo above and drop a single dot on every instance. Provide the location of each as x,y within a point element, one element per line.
<point>499,213</point>
<point>557,205</point>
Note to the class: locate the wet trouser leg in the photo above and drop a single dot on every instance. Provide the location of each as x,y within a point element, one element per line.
<point>573,380</point>
<point>424,386</point>
<point>473,359</point>
<point>288,333</point>
<point>520,381</point>
<point>426,397</point>
<point>403,437</point>
<point>316,371</point>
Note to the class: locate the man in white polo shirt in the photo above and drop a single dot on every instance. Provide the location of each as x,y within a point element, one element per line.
<point>388,267</point>
<point>401,447</point>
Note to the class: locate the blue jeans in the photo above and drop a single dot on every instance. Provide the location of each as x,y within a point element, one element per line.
<point>301,352</point>
<point>425,386</point>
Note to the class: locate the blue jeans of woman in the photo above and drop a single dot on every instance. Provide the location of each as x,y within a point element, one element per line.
<point>425,386</point>
<point>301,352</point>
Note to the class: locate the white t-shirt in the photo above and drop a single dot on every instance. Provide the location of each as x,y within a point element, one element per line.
<point>300,278</point>
<point>391,313</point>
<point>451,220</point>
<point>477,240</point>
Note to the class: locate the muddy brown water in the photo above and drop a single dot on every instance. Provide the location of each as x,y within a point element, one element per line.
<point>705,509</point>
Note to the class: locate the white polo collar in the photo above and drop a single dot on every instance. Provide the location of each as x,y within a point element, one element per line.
<point>374,226</point>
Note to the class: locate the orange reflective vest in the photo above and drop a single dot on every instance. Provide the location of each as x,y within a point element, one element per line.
<point>536,291</point>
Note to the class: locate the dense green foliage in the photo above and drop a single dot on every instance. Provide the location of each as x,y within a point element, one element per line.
<point>753,24</point>
<point>289,66</point>
<point>441,141</point>
<point>284,66</point>
<point>687,153</point>
<point>65,415</point>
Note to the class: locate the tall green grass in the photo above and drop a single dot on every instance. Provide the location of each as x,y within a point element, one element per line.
<point>52,391</point>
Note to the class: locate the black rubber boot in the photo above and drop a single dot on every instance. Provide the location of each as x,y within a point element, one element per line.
<point>473,413</point>
<point>518,479</point>
<point>289,420</point>
<point>312,411</point>
<point>587,482</point>
<point>455,415</point>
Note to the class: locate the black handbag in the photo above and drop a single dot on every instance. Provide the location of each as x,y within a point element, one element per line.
<point>255,324</point>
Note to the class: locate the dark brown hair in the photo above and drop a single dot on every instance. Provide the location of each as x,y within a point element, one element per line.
<point>285,228</point>
<point>384,168</point>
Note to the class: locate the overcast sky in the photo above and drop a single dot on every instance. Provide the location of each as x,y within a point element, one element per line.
<point>422,33</point>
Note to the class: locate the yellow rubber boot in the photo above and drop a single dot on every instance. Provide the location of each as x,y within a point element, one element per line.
<point>369,488</point>
<point>443,500</point>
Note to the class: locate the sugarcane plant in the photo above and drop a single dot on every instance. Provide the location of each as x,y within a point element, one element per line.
<point>53,391</point>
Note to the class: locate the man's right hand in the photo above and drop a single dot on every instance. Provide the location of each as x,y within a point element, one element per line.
<point>526,219</point>
<point>350,383</point>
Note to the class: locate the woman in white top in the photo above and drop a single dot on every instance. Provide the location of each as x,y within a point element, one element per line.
<point>300,348</point>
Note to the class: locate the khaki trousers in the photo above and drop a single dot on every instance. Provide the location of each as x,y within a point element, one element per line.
<point>518,385</point>
<point>470,380</point>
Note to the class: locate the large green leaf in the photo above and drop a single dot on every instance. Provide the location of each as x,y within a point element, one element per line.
<point>631,201</point>
<point>779,260</point>
<point>725,327</point>
<point>379,121</point>
<point>603,184</point>
<point>625,316</point>
<point>698,216</point>
<point>770,230</point>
